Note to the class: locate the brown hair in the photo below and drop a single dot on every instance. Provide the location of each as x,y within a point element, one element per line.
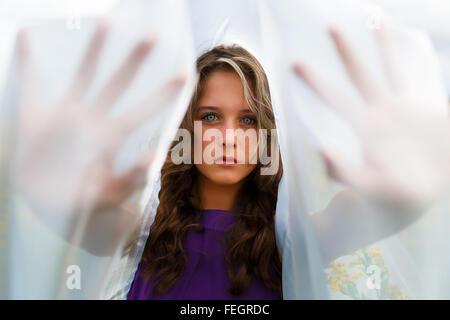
<point>250,243</point>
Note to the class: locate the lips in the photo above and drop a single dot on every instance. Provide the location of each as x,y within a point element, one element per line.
<point>229,160</point>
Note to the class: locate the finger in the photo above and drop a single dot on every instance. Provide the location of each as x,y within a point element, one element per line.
<point>29,91</point>
<point>357,177</point>
<point>348,107</point>
<point>126,73</point>
<point>145,109</point>
<point>123,186</point>
<point>390,58</point>
<point>88,66</point>
<point>357,71</point>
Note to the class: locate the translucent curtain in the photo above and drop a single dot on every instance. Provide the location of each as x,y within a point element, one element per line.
<point>403,265</point>
<point>38,261</point>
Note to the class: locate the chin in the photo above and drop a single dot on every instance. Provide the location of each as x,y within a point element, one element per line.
<point>225,176</point>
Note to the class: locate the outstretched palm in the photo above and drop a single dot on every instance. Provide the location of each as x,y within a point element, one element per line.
<point>64,154</point>
<point>404,133</point>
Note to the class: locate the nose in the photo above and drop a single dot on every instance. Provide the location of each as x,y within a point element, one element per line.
<point>229,139</point>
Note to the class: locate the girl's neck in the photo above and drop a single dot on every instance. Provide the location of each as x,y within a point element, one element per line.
<point>217,196</point>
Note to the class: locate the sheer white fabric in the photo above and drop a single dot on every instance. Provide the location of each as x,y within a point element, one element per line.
<point>410,264</point>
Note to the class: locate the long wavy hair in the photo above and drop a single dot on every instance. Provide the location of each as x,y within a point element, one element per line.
<point>251,249</point>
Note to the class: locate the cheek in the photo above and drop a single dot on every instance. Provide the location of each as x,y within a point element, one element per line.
<point>253,152</point>
<point>201,145</point>
<point>248,150</point>
<point>197,151</point>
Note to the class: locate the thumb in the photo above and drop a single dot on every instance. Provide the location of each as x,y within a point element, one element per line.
<point>360,177</point>
<point>133,179</point>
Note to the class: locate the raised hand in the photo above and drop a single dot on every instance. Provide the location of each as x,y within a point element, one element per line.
<point>64,154</point>
<point>403,130</point>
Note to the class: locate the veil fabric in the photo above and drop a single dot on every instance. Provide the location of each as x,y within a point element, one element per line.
<point>411,264</point>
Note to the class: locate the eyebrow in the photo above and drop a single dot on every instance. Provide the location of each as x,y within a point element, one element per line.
<point>218,109</point>
<point>206,108</point>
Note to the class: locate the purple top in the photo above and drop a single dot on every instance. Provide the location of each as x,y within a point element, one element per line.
<point>206,274</point>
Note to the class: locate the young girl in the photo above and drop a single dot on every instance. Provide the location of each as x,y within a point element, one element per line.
<point>213,235</point>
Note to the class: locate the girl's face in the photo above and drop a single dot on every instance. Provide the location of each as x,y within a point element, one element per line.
<point>222,106</point>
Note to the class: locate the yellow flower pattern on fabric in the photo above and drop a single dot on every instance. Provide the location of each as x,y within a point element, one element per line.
<point>349,276</point>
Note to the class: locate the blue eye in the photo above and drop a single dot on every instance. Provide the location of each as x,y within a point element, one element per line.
<point>248,121</point>
<point>209,117</point>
